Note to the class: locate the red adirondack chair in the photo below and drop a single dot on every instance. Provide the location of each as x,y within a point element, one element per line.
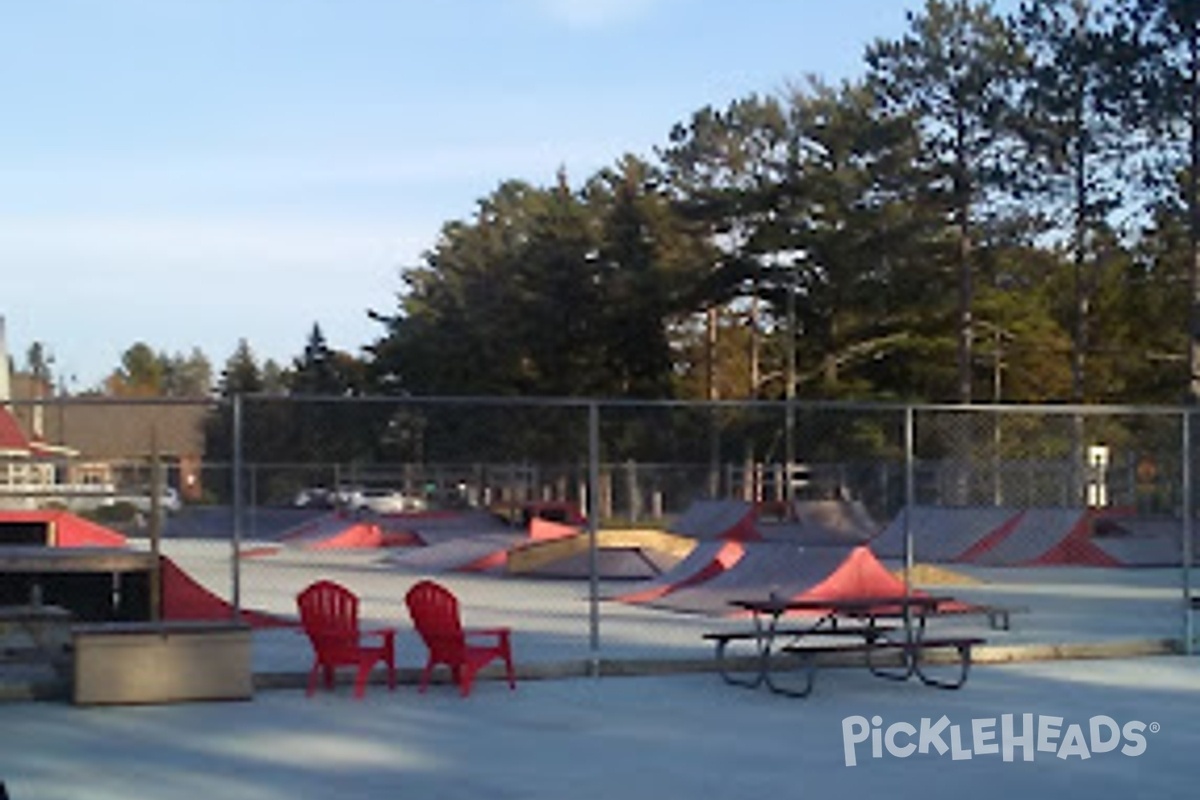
<point>434,611</point>
<point>329,615</point>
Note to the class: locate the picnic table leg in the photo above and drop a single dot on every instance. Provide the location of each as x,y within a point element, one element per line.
<point>964,664</point>
<point>809,668</point>
<point>909,667</point>
<point>728,675</point>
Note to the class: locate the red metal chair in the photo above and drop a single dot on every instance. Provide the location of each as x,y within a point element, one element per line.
<point>434,612</point>
<point>329,615</point>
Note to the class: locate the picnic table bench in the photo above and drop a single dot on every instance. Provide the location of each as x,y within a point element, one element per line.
<point>764,645</point>
<point>912,655</point>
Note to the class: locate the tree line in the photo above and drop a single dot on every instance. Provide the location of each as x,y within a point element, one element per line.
<point>1003,207</point>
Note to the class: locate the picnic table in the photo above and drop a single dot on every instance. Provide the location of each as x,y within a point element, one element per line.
<point>868,626</point>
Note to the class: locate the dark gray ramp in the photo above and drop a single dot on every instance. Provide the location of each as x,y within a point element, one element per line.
<point>716,519</point>
<point>1032,536</point>
<point>822,522</point>
<point>1144,541</point>
<point>435,529</point>
<point>940,534</point>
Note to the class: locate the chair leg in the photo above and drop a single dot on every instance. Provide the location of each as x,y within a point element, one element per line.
<point>508,668</point>
<point>360,681</point>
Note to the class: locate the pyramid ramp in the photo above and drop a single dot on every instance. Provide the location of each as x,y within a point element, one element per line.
<point>786,569</point>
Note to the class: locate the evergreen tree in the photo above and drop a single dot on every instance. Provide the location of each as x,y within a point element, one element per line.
<point>952,72</point>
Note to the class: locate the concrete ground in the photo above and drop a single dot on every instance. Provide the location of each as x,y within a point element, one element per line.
<point>675,736</point>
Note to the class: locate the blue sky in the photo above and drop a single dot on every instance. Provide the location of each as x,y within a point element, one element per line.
<point>188,173</point>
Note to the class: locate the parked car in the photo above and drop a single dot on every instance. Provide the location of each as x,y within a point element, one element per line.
<point>315,497</point>
<point>383,501</point>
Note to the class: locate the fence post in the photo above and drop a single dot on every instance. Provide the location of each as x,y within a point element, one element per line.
<point>236,542</point>
<point>593,514</point>
<point>909,496</point>
<point>1186,545</point>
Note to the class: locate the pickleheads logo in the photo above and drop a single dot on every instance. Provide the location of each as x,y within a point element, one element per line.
<point>1028,734</point>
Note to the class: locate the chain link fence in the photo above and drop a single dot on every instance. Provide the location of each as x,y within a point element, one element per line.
<point>1077,519</point>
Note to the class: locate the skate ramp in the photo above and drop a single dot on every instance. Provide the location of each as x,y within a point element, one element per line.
<point>999,537</point>
<point>186,599</point>
<point>626,554</point>
<point>55,528</point>
<point>336,531</point>
<point>943,534</point>
<point>1143,541</point>
<point>544,530</point>
<point>717,519</point>
<point>705,561</point>
<point>612,563</point>
<point>483,552</point>
<point>786,569</point>
<point>431,530</point>
<point>1072,546</point>
<point>822,522</point>
<point>1030,535</point>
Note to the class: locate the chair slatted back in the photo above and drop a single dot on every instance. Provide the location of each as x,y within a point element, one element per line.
<point>434,612</point>
<point>329,614</point>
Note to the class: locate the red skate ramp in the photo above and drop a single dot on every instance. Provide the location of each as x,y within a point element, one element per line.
<point>50,528</point>
<point>860,574</point>
<point>808,573</point>
<point>544,530</point>
<point>707,560</point>
<point>336,531</point>
<point>478,553</point>
<point>786,569</point>
<point>1076,547</point>
<point>184,598</point>
<point>718,519</point>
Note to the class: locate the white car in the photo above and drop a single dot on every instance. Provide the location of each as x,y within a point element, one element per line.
<point>383,501</point>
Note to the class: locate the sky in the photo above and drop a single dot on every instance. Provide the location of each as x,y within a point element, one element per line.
<point>193,173</point>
